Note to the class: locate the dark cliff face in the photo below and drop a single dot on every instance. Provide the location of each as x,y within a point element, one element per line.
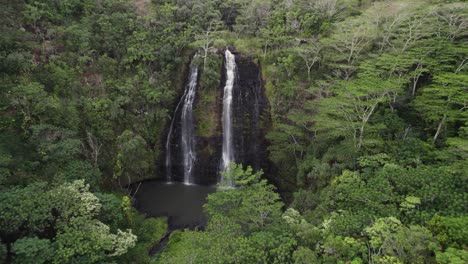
<point>251,120</point>
<point>251,115</point>
<point>209,129</point>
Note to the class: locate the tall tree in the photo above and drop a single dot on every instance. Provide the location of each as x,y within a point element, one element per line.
<point>353,105</point>
<point>444,101</point>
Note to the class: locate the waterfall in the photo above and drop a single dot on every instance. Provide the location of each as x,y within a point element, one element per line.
<point>187,128</point>
<point>233,131</point>
<point>188,138</point>
<point>228,148</point>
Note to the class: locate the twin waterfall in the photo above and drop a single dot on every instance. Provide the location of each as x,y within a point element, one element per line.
<point>187,128</point>
<point>188,137</point>
<point>216,125</point>
<point>228,148</point>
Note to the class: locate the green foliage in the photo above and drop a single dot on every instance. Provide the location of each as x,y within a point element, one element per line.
<point>339,248</point>
<point>132,158</point>
<point>445,101</point>
<point>32,250</point>
<point>96,243</point>
<point>390,240</point>
<point>209,82</point>
<point>149,231</point>
<point>69,209</point>
<point>241,226</point>
<point>452,255</point>
<point>449,231</point>
<point>3,252</point>
<point>353,106</point>
<point>368,100</point>
<point>253,204</point>
<point>20,210</point>
<point>304,255</point>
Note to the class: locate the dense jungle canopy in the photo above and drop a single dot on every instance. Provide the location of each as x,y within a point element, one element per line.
<point>367,143</point>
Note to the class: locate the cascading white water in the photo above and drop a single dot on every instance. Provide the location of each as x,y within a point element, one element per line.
<point>187,133</point>
<point>228,148</point>
<point>187,137</point>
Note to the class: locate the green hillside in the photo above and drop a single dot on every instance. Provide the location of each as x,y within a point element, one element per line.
<point>367,146</point>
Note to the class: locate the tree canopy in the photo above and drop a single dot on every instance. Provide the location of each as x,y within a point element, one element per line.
<point>368,142</point>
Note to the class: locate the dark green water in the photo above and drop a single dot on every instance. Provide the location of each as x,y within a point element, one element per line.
<point>182,204</point>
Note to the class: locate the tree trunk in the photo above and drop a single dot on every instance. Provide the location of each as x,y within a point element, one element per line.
<point>361,136</point>
<point>95,147</point>
<point>416,79</point>
<point>407,130</point>
<point>204,59</point>
<point>439,129</point>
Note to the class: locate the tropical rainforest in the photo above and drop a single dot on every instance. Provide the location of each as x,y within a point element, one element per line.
<point>367,143</point>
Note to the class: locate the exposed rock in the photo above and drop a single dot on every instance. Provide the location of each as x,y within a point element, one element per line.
<point>251,120</point>
<point>251,112</point>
